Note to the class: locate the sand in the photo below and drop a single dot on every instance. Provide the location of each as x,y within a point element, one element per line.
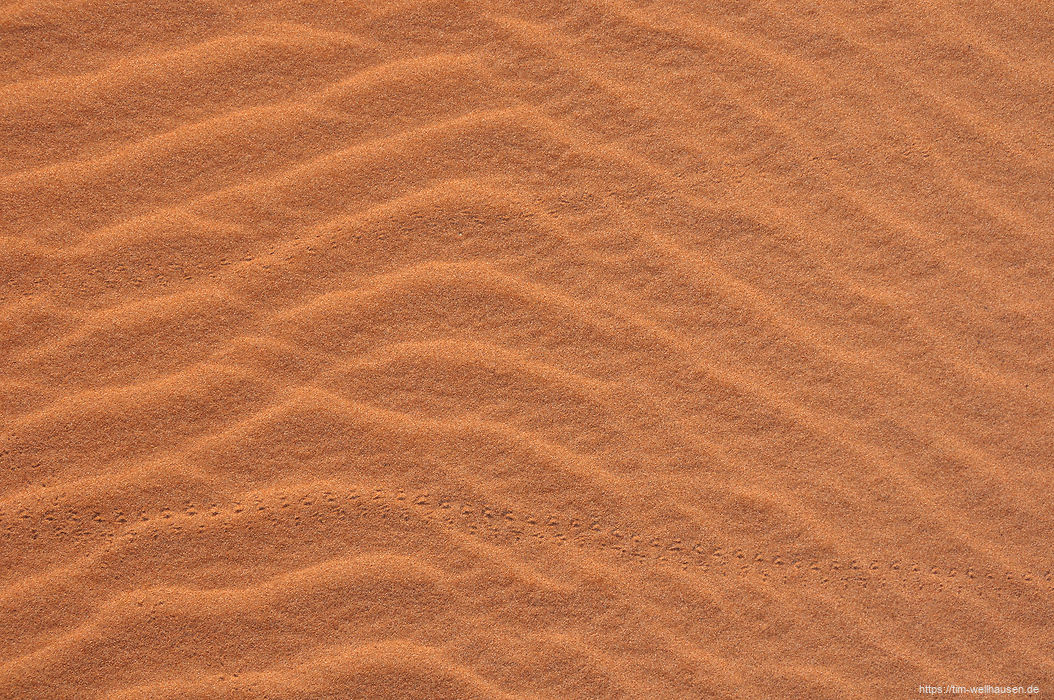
<point>592,349</point>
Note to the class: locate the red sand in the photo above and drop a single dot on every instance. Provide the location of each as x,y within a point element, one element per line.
<point>497,349</point>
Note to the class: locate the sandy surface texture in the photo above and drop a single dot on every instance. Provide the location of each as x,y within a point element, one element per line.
<point>549,349</point>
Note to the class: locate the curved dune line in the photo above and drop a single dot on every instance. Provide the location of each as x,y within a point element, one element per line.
<point>105,322</point>
<point>179,145</point>
<point>983,371</point>
<point>224,593</point>
<point>165,385</point>
<point>414,276</point>
<point>139,591</point>
<point>857,201</point>
<point>705,656</point>
<point>258,498</point>
<point>224,433</point>
<point>236,508</point>
<point>677,189</point>
<point>214,49</point>
<point>485,350</point>
<point>980,40</point>
<point>257,595</point>
<point>678,644</point>
<point>853,198</point>
<point>311,166</point>
<point>307,397</point>
<point>371,357</point>
<point>758,301</point>
<point>135,308</point>
<point>283,111</point>
<point>324,668</point>
<point>317,400</point>
<point>724,276</point>
<point>512,361</point>
<point>452,189</point>
<point>378,284</point>
<point>737,379</point>
<point>681,25</point>
<point>968,114</point>
<point>731,281</point>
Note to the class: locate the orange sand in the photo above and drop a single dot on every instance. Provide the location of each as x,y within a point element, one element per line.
<point>554,349</point>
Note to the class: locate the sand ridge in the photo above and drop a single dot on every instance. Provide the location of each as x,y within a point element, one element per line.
<point>557,349</point>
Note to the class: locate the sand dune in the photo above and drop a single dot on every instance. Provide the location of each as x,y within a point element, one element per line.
<point>489,349</point>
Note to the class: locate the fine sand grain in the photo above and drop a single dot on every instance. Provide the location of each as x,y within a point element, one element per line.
<point>548,349</point>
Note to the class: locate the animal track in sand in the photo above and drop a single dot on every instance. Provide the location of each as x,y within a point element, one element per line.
<point>518,529</point>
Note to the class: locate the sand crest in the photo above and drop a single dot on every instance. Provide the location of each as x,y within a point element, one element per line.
<point>593,349</point>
